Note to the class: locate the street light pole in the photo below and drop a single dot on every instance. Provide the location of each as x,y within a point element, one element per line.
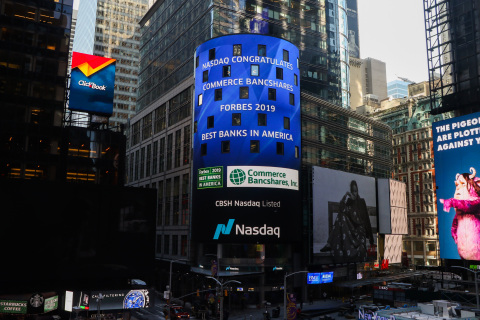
<point>170,289</point>
<point>221,293</point>
<point>285,292</point>
<point>476,283</point>
<point>99,301</point>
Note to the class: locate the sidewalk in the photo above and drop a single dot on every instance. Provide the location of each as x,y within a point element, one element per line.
<point>314,310</point>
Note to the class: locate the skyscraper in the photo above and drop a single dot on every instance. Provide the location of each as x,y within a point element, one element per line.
<point>398,88</point>
<point>453,55</point>
<point>160,135</point>
<point>110,29</point>
<point>353,30</point>
<point>367,77</point>
<point>34,40</point>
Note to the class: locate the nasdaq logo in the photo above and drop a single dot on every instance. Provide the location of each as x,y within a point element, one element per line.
<point>224,229</point>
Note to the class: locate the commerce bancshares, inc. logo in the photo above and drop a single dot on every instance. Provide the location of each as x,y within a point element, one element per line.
<point>242,230</point>
<point>237,176</point>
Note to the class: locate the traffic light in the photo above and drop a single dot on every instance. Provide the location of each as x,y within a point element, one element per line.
<point>198,292</point>
<point>225,292</point>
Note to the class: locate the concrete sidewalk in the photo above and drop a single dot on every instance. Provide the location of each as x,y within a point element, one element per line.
<point>309,310</point>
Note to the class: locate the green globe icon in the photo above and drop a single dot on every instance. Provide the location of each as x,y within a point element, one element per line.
<point>237,176</point>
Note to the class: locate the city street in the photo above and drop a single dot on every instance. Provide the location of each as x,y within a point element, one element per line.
<point>313,311</point>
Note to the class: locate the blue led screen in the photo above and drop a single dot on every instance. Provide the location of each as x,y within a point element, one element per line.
<point>319,278</point>
<point>456,147</point>
<point>246,139</point>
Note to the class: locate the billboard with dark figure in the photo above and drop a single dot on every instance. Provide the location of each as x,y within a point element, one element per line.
<point>344,215</point>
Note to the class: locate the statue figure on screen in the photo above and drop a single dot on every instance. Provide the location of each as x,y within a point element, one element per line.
<point>466,222</point>
<point>352,228</point>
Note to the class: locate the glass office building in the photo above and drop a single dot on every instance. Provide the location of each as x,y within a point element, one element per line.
<point>160,135</point>
<point>317,28</point>
<point>398,88</point>
<point>110,29</point>
<point>34,42</point>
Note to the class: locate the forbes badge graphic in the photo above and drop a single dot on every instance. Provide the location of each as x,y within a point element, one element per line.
<point>92,84</point>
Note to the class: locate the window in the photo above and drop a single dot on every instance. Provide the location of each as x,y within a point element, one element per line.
<point>280,148</point>
<point>254,70</point>
<point>272,94</point>
<point>286,55</point>
<point>197,61</point>
<point>297,153</point>
<point>236,119</point>
<point>169,151</point>
<point>295,79</point>
<point>200,99</point>
<point>166,244</point>
<point>174,245</point>
<point>292,99</point>
<point>262,50</point>
<point>205,76</point>
<point>159,244</point>
<point>243,92</point>
<point>203,149</point>
<point>286,123</point>
<point>161,155</point>
<point>262,119</point>
<point>210,122</point>
<point>237,49</point>
<point>226,146</point>
<point>254,146</point>
<point>211,54</point>
<point>227,71</point>
<point>279,73</point>
<point>218,94</point>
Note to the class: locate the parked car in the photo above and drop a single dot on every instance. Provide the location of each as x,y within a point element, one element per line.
<point>177,312</point>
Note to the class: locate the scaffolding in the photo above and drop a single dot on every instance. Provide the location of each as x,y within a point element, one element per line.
<point>439,53</point>
<point>453,55</point>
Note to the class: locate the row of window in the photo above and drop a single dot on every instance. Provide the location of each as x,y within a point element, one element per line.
<point>237,51</point>
<point>175,245</point>
<point>237,121</point>
<point>162,155</point>
<point>254,148</point>
<point>254,72</point>
<point>244,93</point>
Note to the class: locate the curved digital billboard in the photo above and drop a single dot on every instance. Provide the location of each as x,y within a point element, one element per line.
<point>246,140</point>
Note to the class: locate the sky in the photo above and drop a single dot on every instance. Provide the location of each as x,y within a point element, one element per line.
<point>393,31</point>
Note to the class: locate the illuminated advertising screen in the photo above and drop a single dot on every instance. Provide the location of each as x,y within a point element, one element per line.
<point>344,216</point>
<point>246,140</point>
<point>114,299</point>
<point>92,84</point>
<point>456,144</point>
<point>319,278</point>
<point>13,306</point>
